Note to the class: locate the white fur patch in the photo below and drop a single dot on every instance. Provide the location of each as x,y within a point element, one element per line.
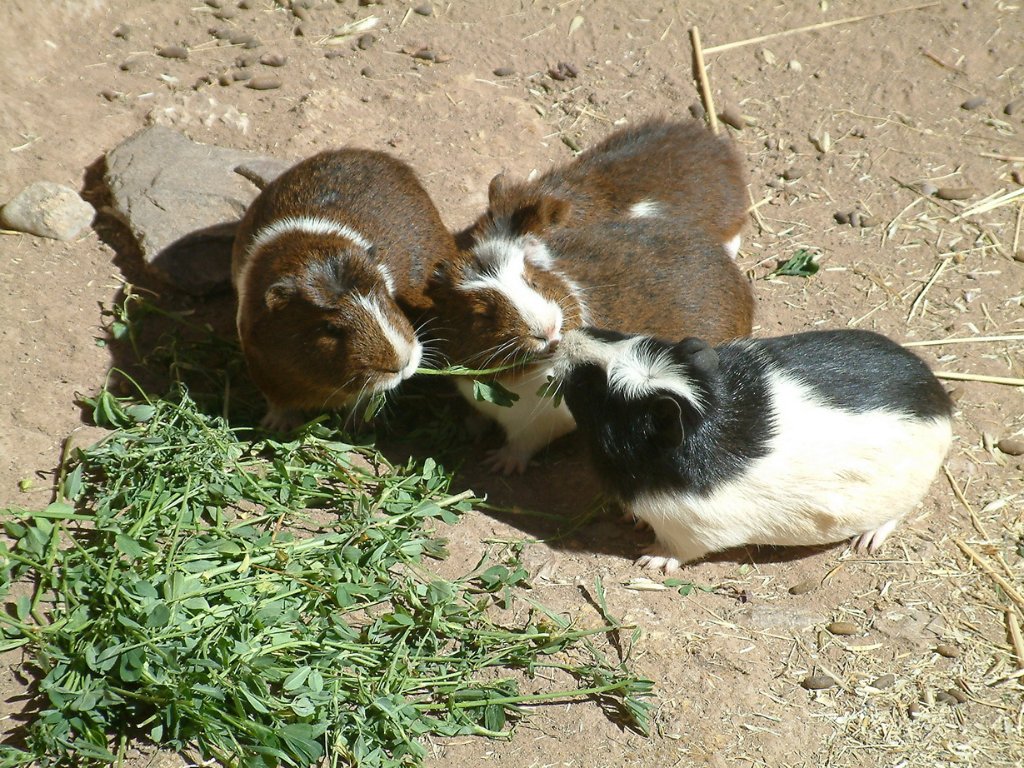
<point>632,370</point>
<point>411,352</point>
<point>312,225</point>
<point>389,281</point>
<point>645,209</point>
<point>732,247</point>
<point>504,273</point>
<point>828,475</point>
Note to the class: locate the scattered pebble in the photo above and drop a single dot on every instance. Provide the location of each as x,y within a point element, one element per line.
<point>263,83</point>
<point>1011,108</point>
<point>48,210</point>
<point>855,219</point>
<point>841,218</point>
<point>109,94</point>
<point>866,221</point>
<point>843,628</point>
<point>973,103</point>
<point>246,5</point>
<point>697,110</point>
<point>300,13</point>
<point>366,72</point>
<point>225,14</point>
<point>883,682</point>
<point>215,3</point>
<point>957,695</point>
<point>246,41</point>
<point>928,189</point>
<point>123,31</point>
<point>731,117</point>
<point>273,59</point>
<point>944,698</point>
<point>333,53</point>
<point>245,60</point>
<point>914,710</point>
<point>954,193</point>
<point>426,9</point>
<point>426,54</point>
<point>504,71</point>
<point>771,143</point>
<point>947,650</point>
<point>173,52</point>
<point>792,174</point>
<point>818,682</point>
<point>1018,177</point>
<point>805,586</point>
<point>563,70</point>
<point>1012,446</point>
<point>221,33</point>
<point>859,132</point>
<point>365,42</point>
<point>795,66</point>
<point>225,79</point>
<point>241,74</point>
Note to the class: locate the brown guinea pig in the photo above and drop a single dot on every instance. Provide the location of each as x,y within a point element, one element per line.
<point>511,299</point>
<point>658,168</point>
<point>330,264</point>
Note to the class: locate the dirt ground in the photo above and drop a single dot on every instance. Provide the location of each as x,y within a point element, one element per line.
<point>847,118</point>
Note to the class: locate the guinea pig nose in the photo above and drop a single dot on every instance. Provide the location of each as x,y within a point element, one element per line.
<point>553,343</point>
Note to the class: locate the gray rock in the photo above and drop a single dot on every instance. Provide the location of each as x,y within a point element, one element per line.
<point>182,202</point>
<point>48,210</point>
<point>781,617</point>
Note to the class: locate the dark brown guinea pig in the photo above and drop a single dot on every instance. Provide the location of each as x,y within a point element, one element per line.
<point>658,168</point>
<point>511,298</point>
<point>330,263</point>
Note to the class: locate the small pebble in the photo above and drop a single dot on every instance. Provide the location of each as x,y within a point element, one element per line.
<point>843,628</point>
<point>957,695</point>
<point>426,54</point>
<point>333,53</point>
<point>173,52</point>
<point>792,174</point>
<point>245,60</point>
<point>841,218</point>
<point>221,33</point>
<point>1018,177</point>
<point>1011,108</point>
<point>973,103</point>
<point>795,66</point>
<point>246,5</point>
<point>818,682</point>
<point>364,3</point>
<point>110,95</point>
<point>866,221</point>
<point>225,79</point>
<point>300,13</point>
<point>954,193</point>
<point>48,210</point>
<point>366,72</point>
<point>123,31</point>
<point>263,83</point>
<point>365,42</point>
<point>424,10</point>
<point>1019,255</point>
<point>805,586</point>
<point>883,682</point>
<point>928,189</point>
<point>771,143</point>
<point>215,3</point>
<point>1012,446</point>
<point>944,698</point>
<point>225,14</point>
<point>859,132</point>
<point>563,71</point>
<point>441,58</point>
<point>855,218</point>
<point>947,650</point>
<point>504,72</point>
<point>246,41</point>
<point>914,711</point>
<point>273,59</point>
<point>241,74</point>
<point>731,117</point>
<point>697,110</point>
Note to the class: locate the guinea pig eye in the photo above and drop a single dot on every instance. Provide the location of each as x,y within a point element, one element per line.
<point>334,331</point>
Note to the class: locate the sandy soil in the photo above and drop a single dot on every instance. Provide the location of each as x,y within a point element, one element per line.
<point>859,115</point>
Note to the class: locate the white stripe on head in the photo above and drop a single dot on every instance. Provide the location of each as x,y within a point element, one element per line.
<point>644,209</point>
<point>732,246</point>
<point>389,281</point>
<point>504,272</point>
<point>411,352</point>
<point>632,368</point>
<point>310,225</point>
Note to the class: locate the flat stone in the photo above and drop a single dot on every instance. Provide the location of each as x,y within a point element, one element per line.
<point>181,200</point>
<point>781,618</point>
<point>48,210</point>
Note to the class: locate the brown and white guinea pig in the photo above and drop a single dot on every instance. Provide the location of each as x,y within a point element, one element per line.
<point>658,168</point>
<point>329,264</point>
<point>511,299</point>
<point>805,439</point>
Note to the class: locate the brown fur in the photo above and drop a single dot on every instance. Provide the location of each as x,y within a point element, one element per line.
<point>307,343</point>
<point>680,165</point>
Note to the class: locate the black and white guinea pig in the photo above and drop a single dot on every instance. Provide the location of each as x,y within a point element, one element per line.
<point>330,264</point>
<point>657,168</point>
<point>512,299</point>
<point>797,440</point>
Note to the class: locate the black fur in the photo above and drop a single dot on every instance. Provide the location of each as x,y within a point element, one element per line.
<point>637,448</point>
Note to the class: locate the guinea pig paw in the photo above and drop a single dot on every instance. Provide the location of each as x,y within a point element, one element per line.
<point>506,461</point>
<point>281,421</point>
<point>871,541</point>
<point>657,562</point>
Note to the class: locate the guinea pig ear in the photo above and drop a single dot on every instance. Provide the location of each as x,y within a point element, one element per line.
<point>553,210</point>
<point>698,354</point>
<point>279,293</point>
<point>499,184</point>
<point>536,217</point>
<point>667,419</point>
